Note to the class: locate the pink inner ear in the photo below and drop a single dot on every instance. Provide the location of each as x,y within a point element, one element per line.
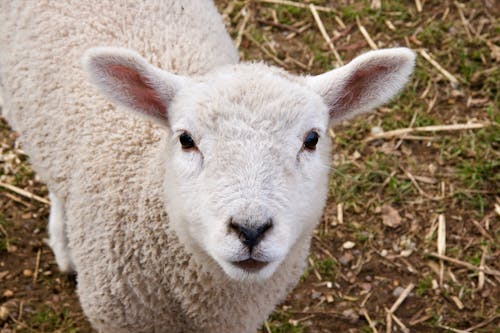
<point>356,86</point>
<point>143,96</point>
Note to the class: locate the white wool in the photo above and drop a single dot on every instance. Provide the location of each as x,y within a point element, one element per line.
<point>158,234</point>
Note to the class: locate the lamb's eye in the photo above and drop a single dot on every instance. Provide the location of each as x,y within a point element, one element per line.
<point>186,141</point>
<point>311,140</point>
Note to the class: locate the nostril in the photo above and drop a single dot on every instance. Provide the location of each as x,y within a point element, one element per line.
<point>266,226</point>
<point>250,236</point>
<point>234,226</point>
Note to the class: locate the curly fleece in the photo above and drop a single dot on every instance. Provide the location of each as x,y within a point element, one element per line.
<point>133,274</point>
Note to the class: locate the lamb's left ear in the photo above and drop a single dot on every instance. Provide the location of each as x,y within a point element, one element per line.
<point>128,79</point>
<point>367,82</point>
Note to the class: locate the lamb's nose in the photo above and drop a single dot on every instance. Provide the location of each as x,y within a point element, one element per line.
<point>251,235</point>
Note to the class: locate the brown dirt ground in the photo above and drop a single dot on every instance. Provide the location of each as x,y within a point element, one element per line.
<point>448,174</point>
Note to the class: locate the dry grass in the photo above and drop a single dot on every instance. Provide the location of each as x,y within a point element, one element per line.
<point>409,241</point>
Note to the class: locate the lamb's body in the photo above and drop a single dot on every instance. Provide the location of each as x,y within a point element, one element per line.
<point>133,275</point>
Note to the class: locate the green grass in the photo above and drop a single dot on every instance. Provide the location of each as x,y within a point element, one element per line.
<point>4,242</point>
<point>350,182</point>
<point>424,285</point>
<point>326,268</point>
<point>47,320</point>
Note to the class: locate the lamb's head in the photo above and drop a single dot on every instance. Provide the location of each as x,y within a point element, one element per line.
<point>247,148</point>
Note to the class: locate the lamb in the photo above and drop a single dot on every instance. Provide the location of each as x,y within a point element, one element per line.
<point>197,214</point>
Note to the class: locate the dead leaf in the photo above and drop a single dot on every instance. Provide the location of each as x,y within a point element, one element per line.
<point>390,217</point>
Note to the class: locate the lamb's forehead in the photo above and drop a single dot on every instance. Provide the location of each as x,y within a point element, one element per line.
<point>255,96</point>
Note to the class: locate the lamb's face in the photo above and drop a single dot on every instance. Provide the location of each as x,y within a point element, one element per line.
<point>247,166</point>
<point>247,154</point>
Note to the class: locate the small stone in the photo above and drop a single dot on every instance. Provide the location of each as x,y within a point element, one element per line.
<point>383,253</point>
<point>435,284</point>
<point>329,298</point>
<point>346,259</point>
<point>366,286</point>
<point>4,313</point>
<point>376,130</point>
<point>406,253</point>
<point>11,248</point>
<point>8,293</point>
<point>432,169</point>
<point>348,245</point>
<point>315,294</point>
<point>398,291</point>
<point>351,315</point>
<point>27,272</point>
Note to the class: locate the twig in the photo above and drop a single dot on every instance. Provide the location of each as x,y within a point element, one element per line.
<point>401,298</point>
<point>441,245</point>
<point>263,49</point>
<point>412,122</point>
<point>453,80</point>
<point>322,29</point>
<point>455,330</point>
<point>363,302</point>
<point>278,25</point>
<point>390,25</point>
<point>400,323</point>
<point>465,23</point>
<point>20,323</point>
<point>458,302</point>
<point>418,4</point>
<point>483,323</point>
<point>481,230</point>
<point>3,231</point>
<point>316,273</point>
<point>436,128</point>
<point>365,34</point>
<point>388,321</point>
<point>241,30</point>
<point>341,34</point>
<point>37,265</point>
<point>299,5</point>
<point>266,325</point>
<point>298,63</point>
<point>419,189</point>
<point>487,270</point>
<point>480,276</point>
<point>24,193</point>
<point>376,4</point>
<point>369,320</point>
<point>340,213</point>
<point>16,199</point>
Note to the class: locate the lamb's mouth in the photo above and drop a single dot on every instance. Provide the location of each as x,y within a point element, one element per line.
<point>250,265</point>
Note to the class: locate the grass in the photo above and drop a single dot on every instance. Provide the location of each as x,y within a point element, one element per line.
<point>424,286</point>
<point>48,320</point>
<point>326,268</point>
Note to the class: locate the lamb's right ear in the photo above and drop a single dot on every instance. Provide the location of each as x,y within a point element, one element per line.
<point>126,78</point>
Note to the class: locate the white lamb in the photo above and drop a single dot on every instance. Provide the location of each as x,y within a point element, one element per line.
<point>196,217</point>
